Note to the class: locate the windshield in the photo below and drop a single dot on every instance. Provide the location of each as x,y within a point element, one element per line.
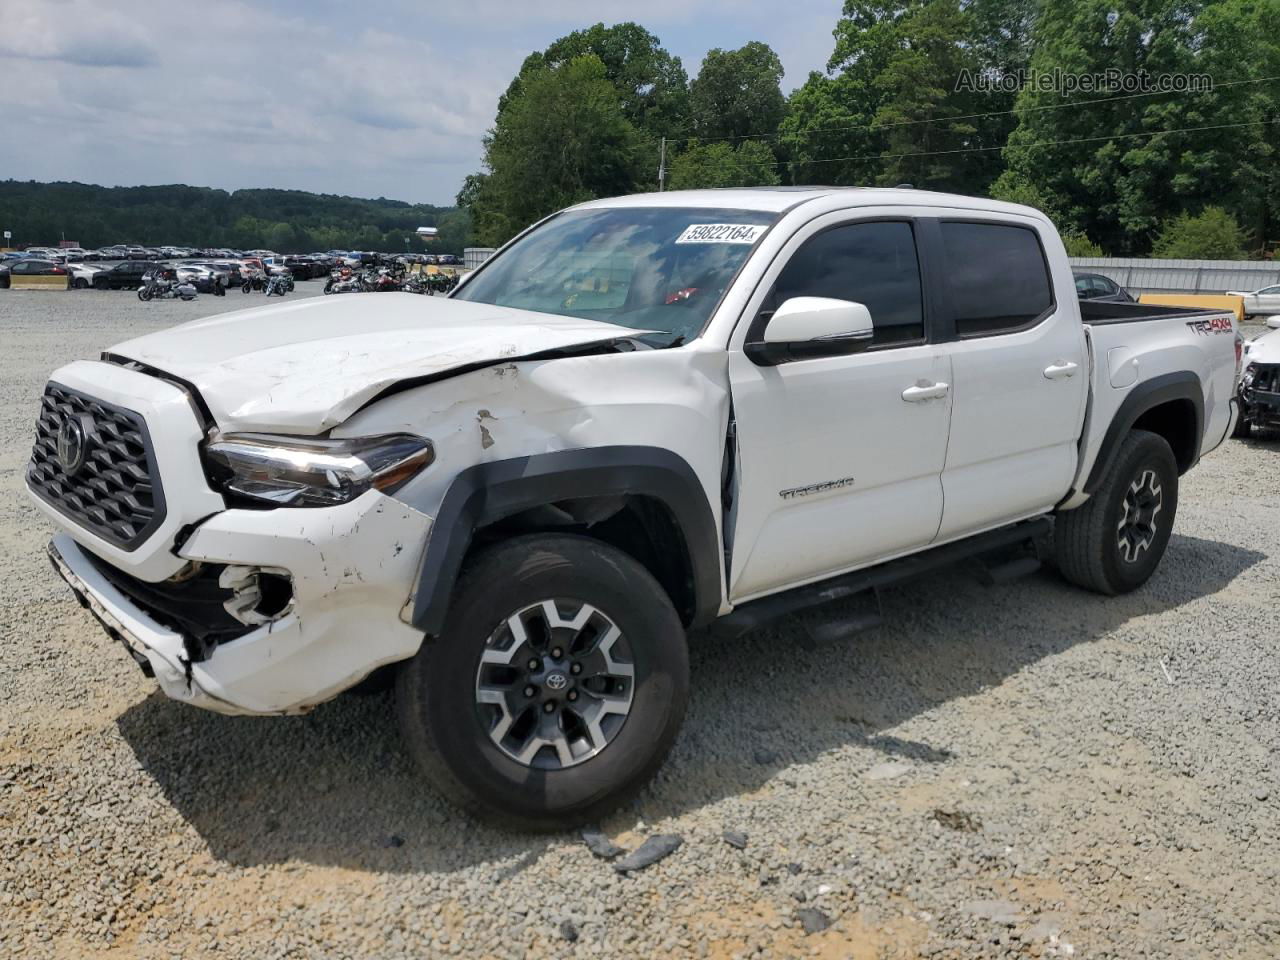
<point>650,269</point>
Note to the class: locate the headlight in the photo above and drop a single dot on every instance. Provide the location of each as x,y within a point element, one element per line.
<point>302,472</point>
<point>1250,372</point>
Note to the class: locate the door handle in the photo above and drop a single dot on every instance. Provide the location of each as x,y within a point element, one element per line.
<point>925,391</point>
<point>1056,371</point>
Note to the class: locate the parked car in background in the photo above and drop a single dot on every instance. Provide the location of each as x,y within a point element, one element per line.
<point>1259,392</point>
<point>201,276</point>
<point>1264,301</point>
<point>29,267</point>
<point>82,274</point>
<point>448,259</point>
<point>126,275</point>
<point>1094,286</point>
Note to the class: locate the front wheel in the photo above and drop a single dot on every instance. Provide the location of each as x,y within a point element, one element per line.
<point>556,702</point>
<point>1113,543</point>
<point>79,283</point>
<point>144,294</point>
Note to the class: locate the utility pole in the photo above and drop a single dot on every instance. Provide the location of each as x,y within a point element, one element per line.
<point>662,166</point>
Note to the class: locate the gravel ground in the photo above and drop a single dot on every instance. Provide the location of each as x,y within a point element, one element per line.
<point>1025,770</point>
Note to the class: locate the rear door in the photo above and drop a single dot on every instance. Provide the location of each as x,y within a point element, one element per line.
<point>841,457</point>
<point>1018,359</point>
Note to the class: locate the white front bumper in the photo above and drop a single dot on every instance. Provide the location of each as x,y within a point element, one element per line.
<point>353,568</point>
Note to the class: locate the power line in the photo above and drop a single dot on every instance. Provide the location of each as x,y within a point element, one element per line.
<point>873,125</point>
<point>1020,146</point>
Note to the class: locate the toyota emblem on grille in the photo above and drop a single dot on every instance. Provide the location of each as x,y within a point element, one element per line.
<point>71,446</point>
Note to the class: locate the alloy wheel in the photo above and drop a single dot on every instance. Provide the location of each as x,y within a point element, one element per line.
<point>555,684</point>
<point>1142,503</point>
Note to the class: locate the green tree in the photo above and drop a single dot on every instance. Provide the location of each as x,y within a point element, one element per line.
<point>890,107</point>
<point>737,93</point>
<point>1078,245</point>
<point>1115,169</point>
<point>1212,235</point>
<point>289,221</point>
<point>749,164</point>
<point>561,139</point>
<point>652,85</point>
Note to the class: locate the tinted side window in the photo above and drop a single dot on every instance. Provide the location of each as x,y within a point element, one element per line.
<point>997,277</point>
<point>869,263</point>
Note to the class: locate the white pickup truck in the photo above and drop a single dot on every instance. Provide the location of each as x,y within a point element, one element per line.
<point>643,415</point>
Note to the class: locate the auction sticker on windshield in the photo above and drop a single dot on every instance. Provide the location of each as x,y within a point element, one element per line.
<point>721,233</point>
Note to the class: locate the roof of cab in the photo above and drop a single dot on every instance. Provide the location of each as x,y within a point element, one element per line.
<point>781,199</point>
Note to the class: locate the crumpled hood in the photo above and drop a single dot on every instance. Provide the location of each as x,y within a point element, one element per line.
<point>1264,348</point>
<point>305,366</point>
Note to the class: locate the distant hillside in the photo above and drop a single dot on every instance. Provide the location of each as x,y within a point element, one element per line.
<point>287,221</point>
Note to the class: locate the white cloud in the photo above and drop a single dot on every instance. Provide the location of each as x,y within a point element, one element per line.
<point>391,99</point>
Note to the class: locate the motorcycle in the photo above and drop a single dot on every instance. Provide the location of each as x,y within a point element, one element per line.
<point>442,282</point>
<point>384,281</point>
<point>155,288</point>
<point>337,283</point>
<point>279,284</point>
<point>254,281</point>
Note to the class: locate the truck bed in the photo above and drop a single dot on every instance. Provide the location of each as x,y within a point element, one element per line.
<point>1096,313</point>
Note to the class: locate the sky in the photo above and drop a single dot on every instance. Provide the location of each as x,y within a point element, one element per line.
<point>389,98</point>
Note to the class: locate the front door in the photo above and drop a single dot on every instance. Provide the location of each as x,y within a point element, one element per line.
<point>841,457</point>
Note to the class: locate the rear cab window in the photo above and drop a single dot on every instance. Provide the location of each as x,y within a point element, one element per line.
<point>996,277</point>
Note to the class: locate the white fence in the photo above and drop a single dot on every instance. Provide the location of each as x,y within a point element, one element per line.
<point>472,257</point>
<point>1145,275</point>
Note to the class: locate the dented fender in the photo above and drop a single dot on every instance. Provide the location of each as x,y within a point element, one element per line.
<point>646,421</point>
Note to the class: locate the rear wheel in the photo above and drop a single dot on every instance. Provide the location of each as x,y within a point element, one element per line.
<point>1113,543</point>
<point>556,688</point>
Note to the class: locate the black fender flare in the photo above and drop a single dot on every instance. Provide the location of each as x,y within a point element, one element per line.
<point>1181,385</point>
<point>491,491</point>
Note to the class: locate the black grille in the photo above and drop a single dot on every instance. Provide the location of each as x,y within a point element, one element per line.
<point>115,493</point>
<point>1266,377</point>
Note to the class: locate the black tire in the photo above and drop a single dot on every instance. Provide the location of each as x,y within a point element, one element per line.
<point>1091,549</point>
<point>1243,428</point>
<point>144,294</point>
<point>446,731</point>
<point>101,284</point>
<point>79,283</point>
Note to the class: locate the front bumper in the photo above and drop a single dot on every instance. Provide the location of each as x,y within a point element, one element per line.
<point>1261,408</point>
<point>352,568</point>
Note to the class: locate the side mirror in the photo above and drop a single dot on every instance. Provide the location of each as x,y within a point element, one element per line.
<point>807,327</point>
<point>1273,323</point>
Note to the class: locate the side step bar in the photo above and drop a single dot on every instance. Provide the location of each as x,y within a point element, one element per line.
<point>756,613</point>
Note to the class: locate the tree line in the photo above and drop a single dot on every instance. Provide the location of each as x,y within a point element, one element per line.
<point>287,221</point>
<point>1125,172</point>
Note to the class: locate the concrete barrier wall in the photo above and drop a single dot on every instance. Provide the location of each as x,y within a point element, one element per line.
<point>38,283</point>
<point>1207,301</point>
